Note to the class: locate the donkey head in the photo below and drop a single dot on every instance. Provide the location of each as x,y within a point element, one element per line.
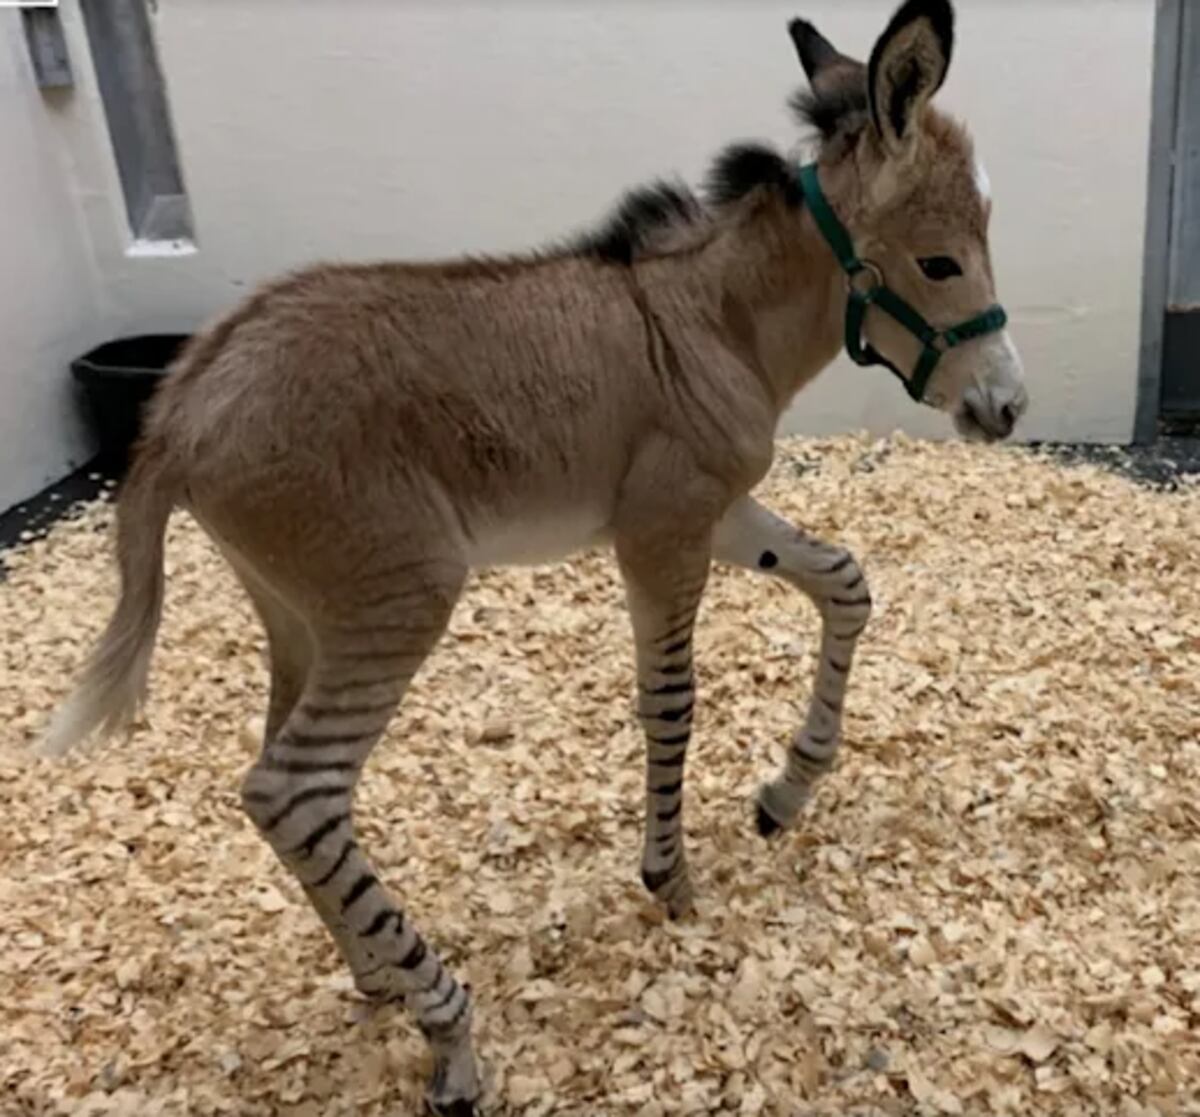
<point>912,200</point>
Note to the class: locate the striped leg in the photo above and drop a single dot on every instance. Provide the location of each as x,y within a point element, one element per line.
<point>290,652</point>
<point>300,792</point>
<point>663,600</point>
<point>751,536</point>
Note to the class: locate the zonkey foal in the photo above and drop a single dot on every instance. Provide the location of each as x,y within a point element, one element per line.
<point>357,438</point>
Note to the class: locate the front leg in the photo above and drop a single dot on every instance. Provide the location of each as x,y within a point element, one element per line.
<point>751,536</point>
<point>664,591</point>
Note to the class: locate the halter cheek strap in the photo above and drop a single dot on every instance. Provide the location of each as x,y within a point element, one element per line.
<point>865,287</point>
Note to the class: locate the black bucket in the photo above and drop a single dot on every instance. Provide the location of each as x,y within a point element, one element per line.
<point>118,378</point>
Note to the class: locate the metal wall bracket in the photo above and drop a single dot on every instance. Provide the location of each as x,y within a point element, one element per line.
<point>47,47</point>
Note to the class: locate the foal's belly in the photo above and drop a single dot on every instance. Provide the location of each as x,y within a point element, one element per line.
<point>531,539</point>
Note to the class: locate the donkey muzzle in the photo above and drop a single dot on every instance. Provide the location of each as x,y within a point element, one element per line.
<point>991,413</point>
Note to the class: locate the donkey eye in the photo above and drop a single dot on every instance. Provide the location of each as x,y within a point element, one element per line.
<point>939,267</point>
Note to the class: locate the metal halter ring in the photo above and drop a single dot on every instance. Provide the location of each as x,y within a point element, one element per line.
<point>870,268</point>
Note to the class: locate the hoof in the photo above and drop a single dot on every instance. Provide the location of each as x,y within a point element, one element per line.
<point>654,879</point>
<point>764,823</point>
<point>671,887</point>
<point>455,1089</point>
<point>681,905</point>
<point>460,1107</point>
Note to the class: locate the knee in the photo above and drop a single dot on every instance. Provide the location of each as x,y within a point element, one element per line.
<point>847,594</point>
<point>306,822</point>
<point>280,802</point>
<point>260,790</point>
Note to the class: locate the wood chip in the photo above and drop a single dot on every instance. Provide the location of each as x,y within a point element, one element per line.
<point>1039,1043</point>
<point>991,906</point>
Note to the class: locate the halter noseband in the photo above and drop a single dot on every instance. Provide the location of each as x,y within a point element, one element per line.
<point>874,291</point>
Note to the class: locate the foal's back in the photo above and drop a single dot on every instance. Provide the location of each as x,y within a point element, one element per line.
<point>396,368</point>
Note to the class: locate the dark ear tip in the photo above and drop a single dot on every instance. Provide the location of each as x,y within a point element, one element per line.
<point>813,48</point>
<point>800,29</point>
<point>936,8</point>
<point>939,12</point>
<point>805,35</point>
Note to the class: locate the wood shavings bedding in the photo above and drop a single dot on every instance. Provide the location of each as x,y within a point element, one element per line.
<point>992,906</point>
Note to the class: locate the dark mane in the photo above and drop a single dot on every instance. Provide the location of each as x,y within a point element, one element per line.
<point>741,168</point>
<point>630,232</point>
<point>639,226</point>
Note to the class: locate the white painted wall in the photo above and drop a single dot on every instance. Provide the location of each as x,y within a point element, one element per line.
<point>370,128</point>
<point>49,311</point>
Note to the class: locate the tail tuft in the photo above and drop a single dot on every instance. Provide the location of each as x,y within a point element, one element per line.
<point>106,698</point>
<point>113,684</point>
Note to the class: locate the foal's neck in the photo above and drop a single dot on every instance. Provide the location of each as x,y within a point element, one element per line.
<point>781,293</point>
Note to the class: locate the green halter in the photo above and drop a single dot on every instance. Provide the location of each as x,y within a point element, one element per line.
<point>934,342</point>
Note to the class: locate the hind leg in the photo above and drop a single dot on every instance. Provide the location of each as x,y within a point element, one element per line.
<point>299,794</point>
<point>289,651</point>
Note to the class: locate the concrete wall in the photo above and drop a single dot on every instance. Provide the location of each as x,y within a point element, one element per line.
<point>375,128</point>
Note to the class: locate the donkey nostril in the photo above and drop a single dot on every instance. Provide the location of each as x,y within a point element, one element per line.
<point>1008,417</point>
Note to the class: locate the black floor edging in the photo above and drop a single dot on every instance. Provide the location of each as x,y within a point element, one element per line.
<point>39,513</point>
<point>1161,464</point>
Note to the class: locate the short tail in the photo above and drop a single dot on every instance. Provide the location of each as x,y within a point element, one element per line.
<point>113,683</point>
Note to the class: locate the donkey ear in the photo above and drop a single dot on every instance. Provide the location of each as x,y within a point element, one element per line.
<point>822,61</point>
<point>907,67</point>
<point>815,51</point>
<point>835,101</point>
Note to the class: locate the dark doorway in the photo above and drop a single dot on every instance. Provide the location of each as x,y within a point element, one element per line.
<point>1169,373</point>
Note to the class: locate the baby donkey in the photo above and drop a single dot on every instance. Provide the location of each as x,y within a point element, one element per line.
<point>356,439</point>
